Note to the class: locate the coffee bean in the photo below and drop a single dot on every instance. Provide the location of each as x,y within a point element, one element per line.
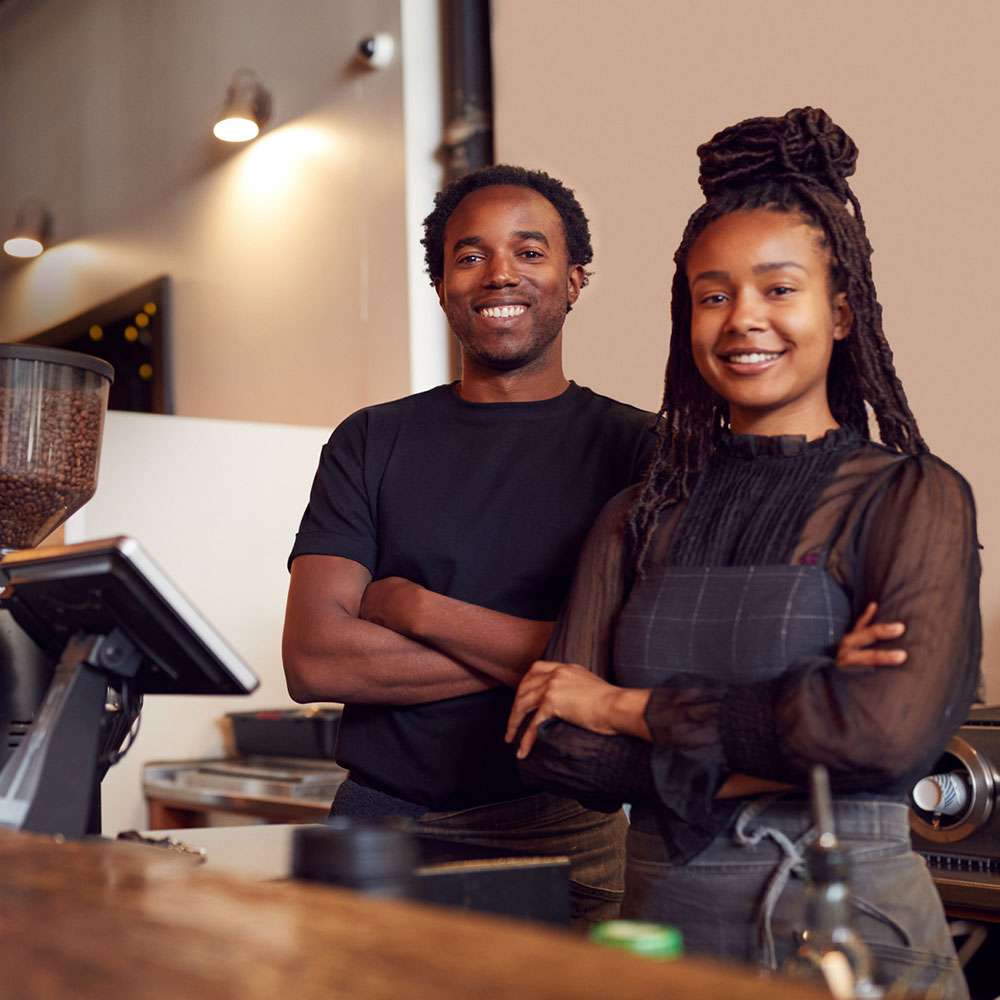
<point>48,459</point>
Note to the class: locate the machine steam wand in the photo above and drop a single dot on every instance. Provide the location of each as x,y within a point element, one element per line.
<point>830,947</point>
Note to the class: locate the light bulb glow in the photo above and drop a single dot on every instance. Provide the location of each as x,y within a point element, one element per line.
<point>22,246</point>
<point>236,130</point>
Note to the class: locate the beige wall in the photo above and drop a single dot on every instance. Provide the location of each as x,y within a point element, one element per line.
<point>289,257</point>
<point>215,503</point>
<point>614,98</point>
<point>297,292</point>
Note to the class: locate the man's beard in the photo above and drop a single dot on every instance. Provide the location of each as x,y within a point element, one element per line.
<point>508,362</point>
<point>544,330</point>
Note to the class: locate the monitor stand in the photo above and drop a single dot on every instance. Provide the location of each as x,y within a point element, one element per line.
<point>48,783</point>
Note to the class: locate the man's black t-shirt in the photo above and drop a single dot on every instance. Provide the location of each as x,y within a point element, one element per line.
<point>484,502</point>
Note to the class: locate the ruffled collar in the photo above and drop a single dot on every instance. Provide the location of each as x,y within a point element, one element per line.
<point>787,445</point>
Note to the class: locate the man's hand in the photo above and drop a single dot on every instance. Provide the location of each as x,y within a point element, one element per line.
<point>853,652</point>
<point>572,693</point>
<point>392,602</point>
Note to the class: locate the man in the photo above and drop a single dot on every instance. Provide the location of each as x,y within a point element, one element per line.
<point>441,534</point>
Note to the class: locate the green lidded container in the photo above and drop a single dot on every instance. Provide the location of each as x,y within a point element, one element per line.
<point>639,937</point>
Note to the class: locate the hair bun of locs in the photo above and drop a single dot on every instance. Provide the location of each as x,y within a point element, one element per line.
<point>803,145</point>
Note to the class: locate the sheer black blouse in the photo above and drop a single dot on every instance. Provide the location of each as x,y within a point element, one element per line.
<point>898,530</point>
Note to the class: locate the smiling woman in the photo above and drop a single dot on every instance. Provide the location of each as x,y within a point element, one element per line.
<point>764,321</point>
<point>706,660</point>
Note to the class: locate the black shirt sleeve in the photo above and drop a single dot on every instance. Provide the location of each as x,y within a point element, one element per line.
<point>645,449</point>
<point>340,519</point>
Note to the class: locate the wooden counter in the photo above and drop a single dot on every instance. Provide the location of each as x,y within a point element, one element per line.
<point>82,921</point>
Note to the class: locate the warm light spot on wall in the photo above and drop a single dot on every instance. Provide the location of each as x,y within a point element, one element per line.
<point>49,288</point>
<point>268,190</point>
<point>141,320</point>
<point>145,371</point>
<point>149,308</point>
<point>96,333</point>
<point>131,334</point>
<point>277,161</point>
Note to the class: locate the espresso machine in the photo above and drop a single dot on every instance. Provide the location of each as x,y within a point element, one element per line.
<point>955,817</point>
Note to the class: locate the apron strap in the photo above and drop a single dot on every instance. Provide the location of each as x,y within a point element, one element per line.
<point>792,862</point>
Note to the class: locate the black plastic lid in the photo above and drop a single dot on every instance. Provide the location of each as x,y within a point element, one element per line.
<point>55,356</point>
<point>361,852</point>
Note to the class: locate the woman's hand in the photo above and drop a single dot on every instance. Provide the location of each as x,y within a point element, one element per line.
<point>561,690</point>
<point>853,652</point>
<point>572,693</point>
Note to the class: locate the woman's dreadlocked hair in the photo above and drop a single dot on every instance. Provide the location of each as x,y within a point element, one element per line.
<point>798,163</point>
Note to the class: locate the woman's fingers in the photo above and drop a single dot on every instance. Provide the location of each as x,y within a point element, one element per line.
<point>530,692</point>
<point>854,652</point>
<point>866,617</point>
<point>865,658</point>
<point>858,638</point>
<point>541,668</point>
<point>559,690</point>
<point>531,734</point>
<point>525,702</point>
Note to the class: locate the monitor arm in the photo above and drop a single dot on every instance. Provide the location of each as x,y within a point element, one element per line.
<point>47,785</point>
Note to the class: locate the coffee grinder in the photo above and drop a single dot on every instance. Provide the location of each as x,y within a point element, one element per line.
<point>89,628</point>
<point>52,407</point>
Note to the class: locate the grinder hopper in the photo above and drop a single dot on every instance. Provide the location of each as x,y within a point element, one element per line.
<point>52,406</point>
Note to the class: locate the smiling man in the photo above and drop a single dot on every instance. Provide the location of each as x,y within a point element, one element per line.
<point>442,532</point>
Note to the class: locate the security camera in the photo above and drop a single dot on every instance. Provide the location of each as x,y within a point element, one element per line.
<point>376,51</point>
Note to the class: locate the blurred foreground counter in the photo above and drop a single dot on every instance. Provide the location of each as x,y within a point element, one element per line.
<point>98,919</point>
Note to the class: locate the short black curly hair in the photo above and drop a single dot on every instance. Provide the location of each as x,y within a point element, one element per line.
<point>575,224</point>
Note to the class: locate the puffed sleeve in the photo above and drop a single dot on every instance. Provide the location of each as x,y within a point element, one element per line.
<point>916,554</point>
<point>566,758</point>
<point>604,771</point>
<point>585,628</point>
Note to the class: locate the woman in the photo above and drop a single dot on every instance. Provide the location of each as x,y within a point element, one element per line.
<point>707,634</point>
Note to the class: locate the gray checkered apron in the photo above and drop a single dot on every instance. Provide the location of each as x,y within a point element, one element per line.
<point>736,624</point>
<point>741,898</point>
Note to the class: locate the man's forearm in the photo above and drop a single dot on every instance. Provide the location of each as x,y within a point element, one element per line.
<point>357,661</point>
<point>499,645</point>
<point>330,654</point>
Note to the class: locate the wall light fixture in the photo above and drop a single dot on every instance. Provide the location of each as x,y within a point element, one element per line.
<point>246,111</point>
<point>31,231</point>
